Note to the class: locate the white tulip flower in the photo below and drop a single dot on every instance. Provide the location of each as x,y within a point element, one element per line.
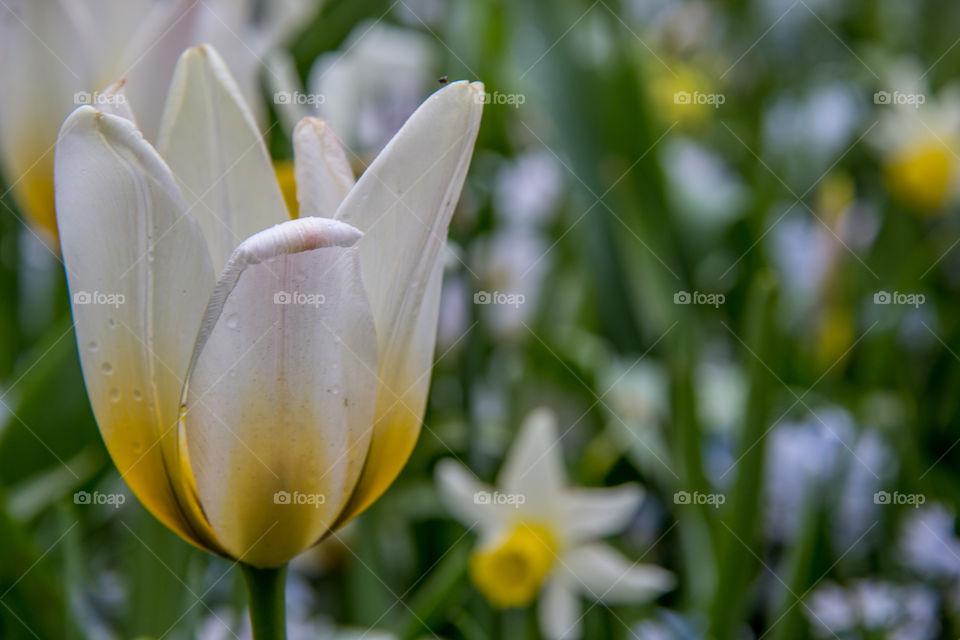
<point>538,536</point>
<point>258,380</point>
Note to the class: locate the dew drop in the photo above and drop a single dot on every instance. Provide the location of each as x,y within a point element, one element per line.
<point>106,368</point>
<point>92,346</point>
<point>137,395</point>
<point>233,321</point>
<point>137,447</point>
<point>335,391</point>
<point>112,323</point>
<point>114,395</point>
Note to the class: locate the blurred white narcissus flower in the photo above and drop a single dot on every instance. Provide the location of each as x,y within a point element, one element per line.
<point>528,188</point>
<point>370,87</point>
<point>55,55</point>
<point>256,410</point>
<point>537,535</point>
<point>918,137</point>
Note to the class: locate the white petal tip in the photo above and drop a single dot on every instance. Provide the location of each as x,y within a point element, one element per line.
<point>295,236</point>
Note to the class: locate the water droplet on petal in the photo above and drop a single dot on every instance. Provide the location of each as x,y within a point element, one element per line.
<point>137,447</point>
<point>137,395</point>
<point>233,321</point>
<point>92,346</point>
<point>112,323</point>
<point>106,368</point>
<point>114,395</point>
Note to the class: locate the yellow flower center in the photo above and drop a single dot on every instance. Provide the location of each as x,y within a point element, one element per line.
<point>921,174</point>
<point>288,185</point>
<point>510,571</point>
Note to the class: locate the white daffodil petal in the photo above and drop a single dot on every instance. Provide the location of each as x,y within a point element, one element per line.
<point>467,499</point>
<point>211,142</point>
<point>559,612</point>
<point>602,573</point>
<point>403,203</point>
<point>534,466</point>
<point>589,514</point>
<point>139,274</point>
<point>321,168</point>
<point>280,399</point>
<point>113,100</point>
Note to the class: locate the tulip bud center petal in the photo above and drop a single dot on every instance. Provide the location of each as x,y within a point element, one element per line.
<point>279,402</point>
<point>511,570</point>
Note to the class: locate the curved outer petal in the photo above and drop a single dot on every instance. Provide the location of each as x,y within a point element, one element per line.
<point>534,468</point>
<point>42,69</point>
<point>559,612</point>
<point>211,142</point>
<point>588,514</point>
<point>322,171</point>
<point>403,203</point>
<point>602,573</point>
<point>282,391</point>
<point>140,278</point>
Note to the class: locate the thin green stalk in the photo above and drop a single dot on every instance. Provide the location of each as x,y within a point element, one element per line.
<point>266,590</point>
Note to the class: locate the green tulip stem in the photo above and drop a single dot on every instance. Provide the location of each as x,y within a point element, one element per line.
<point>266,591</point>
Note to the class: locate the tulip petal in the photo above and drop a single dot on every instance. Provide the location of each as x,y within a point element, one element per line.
<point>281,393</point>
<point>603,573</point>
<point>211,142</point>
<point>113,100</point>
<point>41,73</point>
<point>534,466</point>
<point>403,203</point>
<point>589,514</point>
<point>559,612</point>
<point>322,171</point>
<point>140,276</point>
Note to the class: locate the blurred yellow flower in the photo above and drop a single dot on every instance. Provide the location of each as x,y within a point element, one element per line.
<point>681,92</point>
